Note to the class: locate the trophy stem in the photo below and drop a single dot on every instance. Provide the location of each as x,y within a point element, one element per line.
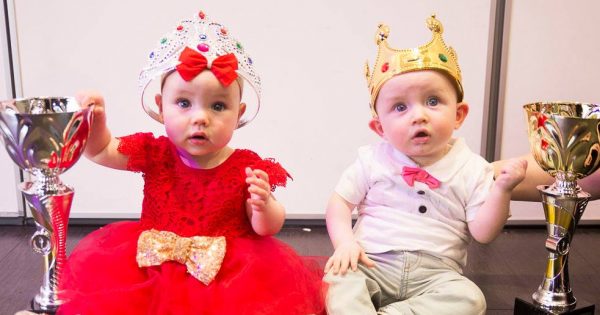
<point>564,186</point>
<point>48,182</point>
<point>562,212</point>
<point>51,214</point>
<point>555,292</point>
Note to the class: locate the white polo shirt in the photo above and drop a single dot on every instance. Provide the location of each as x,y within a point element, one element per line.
<point>395,216</point>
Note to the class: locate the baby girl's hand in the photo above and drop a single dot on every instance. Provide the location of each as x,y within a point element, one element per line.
<point>511,174</point>
<point>88,98</point>
<point>259,189</point>
<point>347,255</point>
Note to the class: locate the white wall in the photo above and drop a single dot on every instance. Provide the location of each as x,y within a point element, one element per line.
<point>310,56</point>
<point>309,53</point>
<point>9,194</point>
<point>552,54</point>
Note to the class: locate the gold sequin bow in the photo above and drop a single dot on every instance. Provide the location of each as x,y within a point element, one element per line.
<point>202,255</point>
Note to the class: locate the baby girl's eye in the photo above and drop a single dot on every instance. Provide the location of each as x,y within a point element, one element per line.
<point>432,101</point>
<point>183,103</point>
<point>400,107</point>
<point>219,107</point>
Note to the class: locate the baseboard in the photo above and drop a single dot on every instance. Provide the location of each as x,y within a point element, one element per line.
<point>542,223</point>
<point>104,221</point>
<point>293,220</point>
<point>11,221</point>
<point>304,222</point>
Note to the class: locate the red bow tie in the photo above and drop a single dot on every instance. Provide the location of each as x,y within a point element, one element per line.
<point>193,62</point>
<point>412,174</point>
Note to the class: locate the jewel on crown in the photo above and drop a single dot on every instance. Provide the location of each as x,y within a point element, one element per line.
<point>435,55</point>
<point>210,39</point>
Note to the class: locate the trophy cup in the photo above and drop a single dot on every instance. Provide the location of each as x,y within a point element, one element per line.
<point>45,137</point>
<point>564,140</point>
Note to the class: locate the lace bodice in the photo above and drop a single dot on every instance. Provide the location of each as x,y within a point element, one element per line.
<point>190,201</point>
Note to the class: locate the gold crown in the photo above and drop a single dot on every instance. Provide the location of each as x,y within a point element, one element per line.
<point>435,55</point>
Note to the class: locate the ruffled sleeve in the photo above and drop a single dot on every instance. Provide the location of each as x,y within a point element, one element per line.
<point>137,148</point>
<point>278,176</point>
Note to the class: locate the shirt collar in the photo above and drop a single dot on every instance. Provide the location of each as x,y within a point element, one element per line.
<point>444,168</point>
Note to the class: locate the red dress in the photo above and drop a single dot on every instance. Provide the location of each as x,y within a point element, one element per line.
<point>259,275</point>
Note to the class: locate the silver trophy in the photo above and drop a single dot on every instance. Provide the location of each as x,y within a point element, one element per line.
<point>45,137</point>
<point>564,141</point>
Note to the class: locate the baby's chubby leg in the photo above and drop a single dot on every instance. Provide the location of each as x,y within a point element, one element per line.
<point>362,291</point>
<point>350,293</point>
<point>457,297</point>
<point>435,288</point>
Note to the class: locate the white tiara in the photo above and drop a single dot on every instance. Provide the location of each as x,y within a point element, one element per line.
<point>209,39</point>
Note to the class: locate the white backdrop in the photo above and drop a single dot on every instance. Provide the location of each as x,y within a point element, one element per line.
<point>309,53</point>
<point>9,194</point>
<point>551,55</point>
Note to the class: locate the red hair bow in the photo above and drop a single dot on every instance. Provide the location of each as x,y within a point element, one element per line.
<point>193,62</point>
<point>412,174</point>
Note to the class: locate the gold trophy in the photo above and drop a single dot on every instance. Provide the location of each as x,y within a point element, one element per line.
<point>564,140</point>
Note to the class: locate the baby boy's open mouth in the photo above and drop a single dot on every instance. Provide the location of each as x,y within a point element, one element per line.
<point>421,134</point>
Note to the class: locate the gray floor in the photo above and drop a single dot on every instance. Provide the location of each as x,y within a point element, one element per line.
<point>512,266</point>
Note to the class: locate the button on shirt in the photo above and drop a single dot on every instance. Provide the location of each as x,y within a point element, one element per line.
<point>395,216</point>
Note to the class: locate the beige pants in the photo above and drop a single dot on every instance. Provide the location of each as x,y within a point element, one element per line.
<point>403,283</point>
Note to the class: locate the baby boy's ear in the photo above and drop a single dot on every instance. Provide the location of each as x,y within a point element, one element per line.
<point>462,110</point>
<point>375,125</point>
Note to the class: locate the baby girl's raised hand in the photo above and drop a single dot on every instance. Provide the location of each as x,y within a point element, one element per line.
<point>259,189</point>
<point>88,98</point>
<point>511,174</point>
<point>101,147</point>
<point>347,255</point>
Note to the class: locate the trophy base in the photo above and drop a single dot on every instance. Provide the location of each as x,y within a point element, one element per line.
<point>37,309</point>
<point>523,307</point>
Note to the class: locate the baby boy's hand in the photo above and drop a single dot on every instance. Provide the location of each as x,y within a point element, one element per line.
<point>347,255</point>
<point>259,189</point>
<point>511,174</point>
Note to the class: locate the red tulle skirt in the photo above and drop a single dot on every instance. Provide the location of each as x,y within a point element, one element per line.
<point>258,276</point>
